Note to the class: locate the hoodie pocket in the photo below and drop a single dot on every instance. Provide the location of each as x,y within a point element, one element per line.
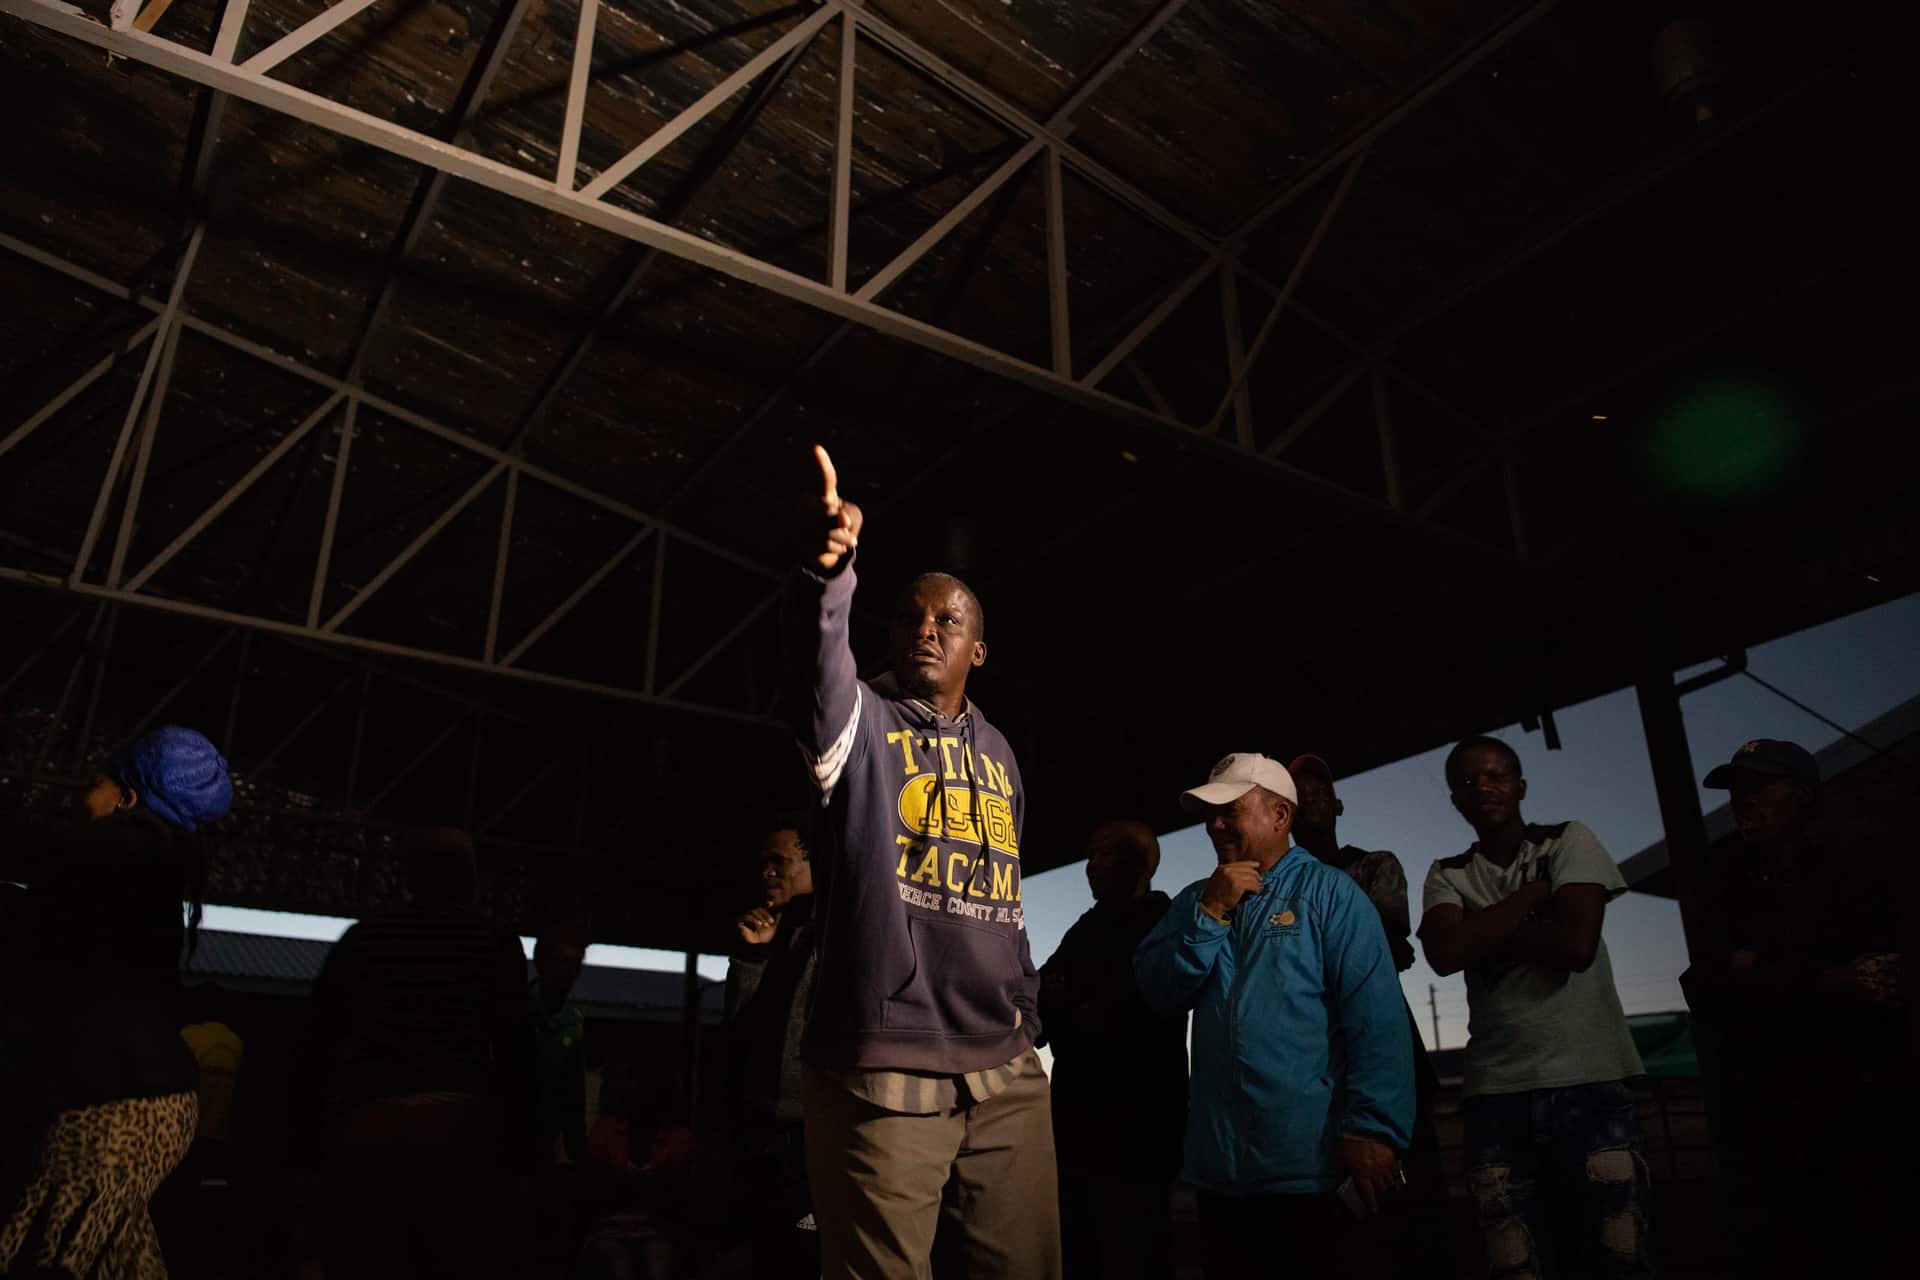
<point>961,984</point>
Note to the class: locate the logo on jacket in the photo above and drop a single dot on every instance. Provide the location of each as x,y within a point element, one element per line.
<point>1280,920</point>
<point>947,813</point>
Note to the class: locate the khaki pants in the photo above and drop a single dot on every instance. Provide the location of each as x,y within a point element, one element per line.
<point>981,1177</point>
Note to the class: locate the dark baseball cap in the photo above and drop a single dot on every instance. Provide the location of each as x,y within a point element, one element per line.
<point>1311,764</point>
<point>1769,757</point>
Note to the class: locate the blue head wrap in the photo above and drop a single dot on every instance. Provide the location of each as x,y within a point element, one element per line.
<point>178,774</point>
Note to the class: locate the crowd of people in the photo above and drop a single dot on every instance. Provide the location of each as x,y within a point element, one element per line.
<point>890,1113</point>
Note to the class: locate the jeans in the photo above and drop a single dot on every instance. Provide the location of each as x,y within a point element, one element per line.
<point>1559,1180</point>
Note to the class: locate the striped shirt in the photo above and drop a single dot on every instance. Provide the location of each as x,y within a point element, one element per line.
<point>915,1093</point>
<point>419,1001</point>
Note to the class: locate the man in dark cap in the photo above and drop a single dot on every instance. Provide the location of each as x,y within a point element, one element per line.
<point>1795,980</point>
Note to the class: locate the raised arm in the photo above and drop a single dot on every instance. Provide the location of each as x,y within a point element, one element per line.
<point>822,604</point>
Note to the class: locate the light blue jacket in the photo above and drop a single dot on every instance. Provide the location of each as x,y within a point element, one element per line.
<point>1300,1033</point>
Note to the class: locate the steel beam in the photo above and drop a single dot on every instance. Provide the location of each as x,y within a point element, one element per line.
<point>276,626</point>
<point>72,683</point>
<point>168,318</point>
<point>528,788</point>
<point>179,686</point>
<point>567,171</point>
<point>407,770</point>
<point>303,35</point>
<point>1288,289</point>
<point>1134,42</point>
<point>391,409</point>
<point>413,549</point>
<point>1623,190</point>
<point>1060,307</point>
<point>27,664</point>
<point>580,593</point>
<point>233,21</point>
<point>1151,322</point>
<point>1502,34</point>
<point>100,369</point>
<point>143,455</point>
<point>331,523</point>
<point>654,609</point>
<point>410,144</point>
<point>265,764</point>
<point>1237,393</point>
<point>1516,514</point>
<point>734,632</point>
<point>1383,426</point>
<point>233,493</point>
<point>841,213</point>
<point>500,559</point>
<point>665,136</point>
<point>952,218</point>
<point>1314,412</point>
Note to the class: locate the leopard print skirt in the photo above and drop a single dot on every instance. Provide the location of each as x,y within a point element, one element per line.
<point>84,1211</point>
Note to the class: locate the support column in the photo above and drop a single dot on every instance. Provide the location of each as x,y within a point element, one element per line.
<point>690,1033</point>
<point>1673,785</point>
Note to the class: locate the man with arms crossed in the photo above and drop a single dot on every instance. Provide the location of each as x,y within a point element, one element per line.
<point>926,1106</point>
<point>1551,1133</point>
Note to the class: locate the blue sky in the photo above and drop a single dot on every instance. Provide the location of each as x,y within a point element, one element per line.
<point>1851,670</point>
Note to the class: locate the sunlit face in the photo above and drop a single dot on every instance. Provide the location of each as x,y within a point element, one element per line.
<point>786,872</point>
<point>935,640</point>
<point>1257,823</point>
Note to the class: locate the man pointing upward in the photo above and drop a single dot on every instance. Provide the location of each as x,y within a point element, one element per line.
<point>926,1107</point>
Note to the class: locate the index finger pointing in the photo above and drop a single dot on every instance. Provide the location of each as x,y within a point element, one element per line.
<point>829,478</point>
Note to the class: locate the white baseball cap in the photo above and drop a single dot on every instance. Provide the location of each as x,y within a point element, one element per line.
<point>1236,775</point>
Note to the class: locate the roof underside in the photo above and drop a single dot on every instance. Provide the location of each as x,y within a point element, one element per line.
<point>1567,368</point>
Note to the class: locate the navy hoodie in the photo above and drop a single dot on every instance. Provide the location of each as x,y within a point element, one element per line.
<point>923,963</point>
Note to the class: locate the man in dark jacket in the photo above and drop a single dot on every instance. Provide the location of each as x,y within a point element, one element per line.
<point>1113,1057</point>
<point>926,1106</point>
<point>769,987</point>
<point>1814,1124</point>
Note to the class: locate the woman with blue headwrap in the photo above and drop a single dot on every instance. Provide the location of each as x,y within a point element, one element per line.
<point>108,1089</point>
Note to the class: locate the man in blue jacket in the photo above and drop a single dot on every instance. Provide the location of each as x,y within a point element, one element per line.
<point>926,1106</point>
<point>1302,1060</point>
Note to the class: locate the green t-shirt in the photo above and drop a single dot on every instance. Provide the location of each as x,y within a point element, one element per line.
<point>1531,1026</point>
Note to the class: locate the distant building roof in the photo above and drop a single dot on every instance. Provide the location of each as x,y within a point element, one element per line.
<point>250,961</point>
<point>1645,871</point>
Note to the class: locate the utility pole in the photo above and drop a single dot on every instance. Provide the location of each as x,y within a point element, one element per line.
<point>1433,1003</point>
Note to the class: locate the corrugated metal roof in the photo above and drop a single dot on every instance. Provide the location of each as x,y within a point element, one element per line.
<point>296,962</point>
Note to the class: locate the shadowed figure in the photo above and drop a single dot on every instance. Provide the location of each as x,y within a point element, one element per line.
<point>413,1094</point>
<point>102,1096</point>
<point>1119,1071</point>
